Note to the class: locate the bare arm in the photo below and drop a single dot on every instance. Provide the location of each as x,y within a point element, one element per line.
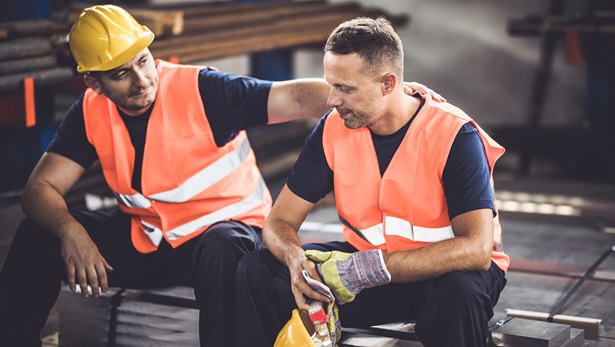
<point>280,236</point>
<point>43,201</point>
<point>43,196</point>
<point>300,98</point>
<point>470,250</point>
<point>307,98</point>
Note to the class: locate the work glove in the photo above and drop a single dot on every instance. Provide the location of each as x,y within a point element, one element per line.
<point>346,274</point>
<point>333,323</point>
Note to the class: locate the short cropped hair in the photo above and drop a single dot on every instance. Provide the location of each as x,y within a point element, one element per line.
<point>374,40</point>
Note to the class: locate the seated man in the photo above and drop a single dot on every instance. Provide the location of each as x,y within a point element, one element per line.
<point>412,182</point>
<point>172,144</point>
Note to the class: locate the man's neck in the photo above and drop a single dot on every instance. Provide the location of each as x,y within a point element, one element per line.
<point>399,113</point>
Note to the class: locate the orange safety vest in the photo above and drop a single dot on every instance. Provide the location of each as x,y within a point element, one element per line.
<point>188,182</point>
<point>406,207</point>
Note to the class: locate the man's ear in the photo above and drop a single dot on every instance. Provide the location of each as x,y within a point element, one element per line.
<point>389,81</point>
<point>92,83</point>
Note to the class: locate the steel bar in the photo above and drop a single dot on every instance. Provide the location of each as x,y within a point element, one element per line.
<point>20,29</point>
<point>41,78</point>
<point>24,48</point>
<point>30,64</point>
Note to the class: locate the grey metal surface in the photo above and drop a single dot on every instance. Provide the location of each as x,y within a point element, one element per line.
<point>523,332</point>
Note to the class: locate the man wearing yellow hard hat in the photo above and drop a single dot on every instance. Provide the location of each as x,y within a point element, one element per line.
<point>412,179</point>
<point>172,145</point>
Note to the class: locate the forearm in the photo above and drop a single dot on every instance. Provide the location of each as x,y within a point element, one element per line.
<point>47,207</point>
<point>457,254</point>
<point>43,196</point>
<point>282,240</point>
<point>300,98</point>
<point>469,250</point>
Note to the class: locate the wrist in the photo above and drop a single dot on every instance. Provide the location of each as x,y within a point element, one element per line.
<point>295,254</point>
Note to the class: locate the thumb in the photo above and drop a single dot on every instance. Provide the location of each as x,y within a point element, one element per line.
<point>317,256</point>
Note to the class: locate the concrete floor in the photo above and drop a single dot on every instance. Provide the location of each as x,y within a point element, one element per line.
<point>556,247</point>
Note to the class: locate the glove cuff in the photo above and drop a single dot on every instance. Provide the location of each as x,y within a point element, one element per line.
<point>371,268</point>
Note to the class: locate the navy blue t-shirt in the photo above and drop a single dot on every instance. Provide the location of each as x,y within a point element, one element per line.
<point>465,178</point>
<point>232,103</point>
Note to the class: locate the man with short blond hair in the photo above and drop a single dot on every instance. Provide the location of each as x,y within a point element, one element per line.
<point>412,182</point>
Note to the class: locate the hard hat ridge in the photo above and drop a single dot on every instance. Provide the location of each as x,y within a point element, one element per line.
<point>105,37</point>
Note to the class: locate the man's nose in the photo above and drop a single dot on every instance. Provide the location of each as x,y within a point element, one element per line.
<point>333,100</point>
<point>139,77</point>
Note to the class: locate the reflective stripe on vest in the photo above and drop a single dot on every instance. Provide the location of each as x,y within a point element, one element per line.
<point>399,227</point>
<point>255,199</point>
<point>195,184</point>
<point>136,200</point>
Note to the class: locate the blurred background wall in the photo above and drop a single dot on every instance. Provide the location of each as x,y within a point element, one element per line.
<point>465,51</point>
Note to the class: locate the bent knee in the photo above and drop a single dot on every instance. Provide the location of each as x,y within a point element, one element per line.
<point>258,264</point>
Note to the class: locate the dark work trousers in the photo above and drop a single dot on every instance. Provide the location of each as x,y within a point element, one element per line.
<point>451,310</point>
<point>34,268</point>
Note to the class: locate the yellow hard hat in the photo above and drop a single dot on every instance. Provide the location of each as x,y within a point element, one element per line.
<point>105,37</point>
<point>295,333</point>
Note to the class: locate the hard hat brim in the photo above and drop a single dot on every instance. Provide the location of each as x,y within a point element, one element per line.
<point>143,42</point>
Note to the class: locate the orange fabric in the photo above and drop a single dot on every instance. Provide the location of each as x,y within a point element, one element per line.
<point>411,189</point>
<point>179,144</point>
<point>28,87</point>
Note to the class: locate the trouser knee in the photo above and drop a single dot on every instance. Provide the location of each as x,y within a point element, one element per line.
<point>252,268</point>
<point>34,250</point>
<point>30,284</point>
<point>456,313</point>
<point>215,257</point>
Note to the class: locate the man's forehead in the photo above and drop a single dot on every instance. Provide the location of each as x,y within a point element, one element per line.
<point>342,67</point>
<point>132,61</point>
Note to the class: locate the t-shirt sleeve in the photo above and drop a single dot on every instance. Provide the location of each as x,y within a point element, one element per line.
<point>466,176</point>
<point>312,178</point>
<point>233,103</point>
<point>71,140</point>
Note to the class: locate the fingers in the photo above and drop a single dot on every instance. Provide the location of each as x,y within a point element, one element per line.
<point>436,96</point>
<point>314,274</point>
<point>301,301</point>
<point>84,264</point>
<point>410,86</point>
<point>95,275</point>
<point>102,269</point>
<point>93,278</point>
<point>70,273</point>
<point>308,291</point>
<point>82,279</point>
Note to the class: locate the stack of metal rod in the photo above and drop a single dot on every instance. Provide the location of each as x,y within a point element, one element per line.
<point>27,49</point>
<point>194,33</point>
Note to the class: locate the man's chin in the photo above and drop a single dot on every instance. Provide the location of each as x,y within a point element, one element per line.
<point>348,123</point>
<point>136,109</point>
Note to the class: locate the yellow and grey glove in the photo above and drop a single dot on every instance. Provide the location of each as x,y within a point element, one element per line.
<point>346,274</point>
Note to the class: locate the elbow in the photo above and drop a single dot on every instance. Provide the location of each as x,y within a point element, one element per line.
<point>22,204</point>
<point>485,264</point>
<point>24,201</point>
<point>483,258</point>
<point>481,264</point>
<point>266,235</point>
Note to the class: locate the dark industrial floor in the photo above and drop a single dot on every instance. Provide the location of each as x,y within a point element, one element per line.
<point>563,231</point>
